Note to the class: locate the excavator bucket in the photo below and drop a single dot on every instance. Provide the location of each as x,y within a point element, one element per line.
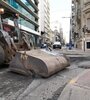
<point>38,61</point>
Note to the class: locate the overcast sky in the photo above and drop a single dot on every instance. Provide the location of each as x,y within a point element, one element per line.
<point>59,9</point>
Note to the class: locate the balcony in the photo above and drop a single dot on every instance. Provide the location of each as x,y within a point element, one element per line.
<point>78,14</point>
<point>86,2</point>
<point>77,0</point>
<point>73,8</point>
<point>73,14</point>
<point>73,1</point>
<point>86,8</point>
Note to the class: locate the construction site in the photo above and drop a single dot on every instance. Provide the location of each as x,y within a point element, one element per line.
<point>28,72</point>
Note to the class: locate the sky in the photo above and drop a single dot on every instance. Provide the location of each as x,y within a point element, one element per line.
<point>60,13</point>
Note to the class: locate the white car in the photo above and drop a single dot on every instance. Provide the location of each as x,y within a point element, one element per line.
<point>57,44</point>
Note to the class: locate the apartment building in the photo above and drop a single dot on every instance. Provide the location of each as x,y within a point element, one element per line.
<point>44,18</point>
<point>28,16</point>
<point>80,24</point>
<point>76,32</point>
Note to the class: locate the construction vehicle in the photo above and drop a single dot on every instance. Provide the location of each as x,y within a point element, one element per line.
<point>40,62</point>
<point>15,50</point>
<point>13,41</point>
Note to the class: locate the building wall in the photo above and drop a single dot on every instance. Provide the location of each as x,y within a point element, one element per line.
<point>44,16</point>
<point>28,14</point>
<point>81,23</point>
<point>76,20</point>
<point>20,8</point>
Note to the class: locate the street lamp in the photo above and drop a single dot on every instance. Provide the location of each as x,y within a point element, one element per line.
<point>1,12</point>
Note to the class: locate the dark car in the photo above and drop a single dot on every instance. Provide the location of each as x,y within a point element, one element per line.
<point>43,45</point>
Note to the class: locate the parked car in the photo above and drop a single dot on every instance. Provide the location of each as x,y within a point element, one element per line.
<point>57,45</point>
<point>43,45</point>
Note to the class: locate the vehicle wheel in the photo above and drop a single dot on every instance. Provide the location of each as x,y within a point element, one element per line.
<point>53,47</point>
<point>59,47</point>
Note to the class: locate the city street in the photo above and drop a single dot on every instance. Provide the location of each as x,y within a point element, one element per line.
<point>44,49</point>
<point>18,87</point>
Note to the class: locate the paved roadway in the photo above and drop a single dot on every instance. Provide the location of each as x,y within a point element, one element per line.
<point>16,87</point>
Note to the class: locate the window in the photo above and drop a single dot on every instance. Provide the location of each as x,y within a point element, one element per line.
<point>88,45</point>
<point>88,23</point>
<point>13,3</point>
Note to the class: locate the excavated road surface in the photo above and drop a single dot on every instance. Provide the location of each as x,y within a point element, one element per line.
<point>17,87</point>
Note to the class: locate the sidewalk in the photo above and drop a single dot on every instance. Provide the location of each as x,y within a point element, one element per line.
<point>75,51</point>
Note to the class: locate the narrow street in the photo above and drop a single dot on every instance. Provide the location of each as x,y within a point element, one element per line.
<point>17,87</point>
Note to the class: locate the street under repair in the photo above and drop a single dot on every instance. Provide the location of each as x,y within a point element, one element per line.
<point>29,72</point>
<point>18,87</point>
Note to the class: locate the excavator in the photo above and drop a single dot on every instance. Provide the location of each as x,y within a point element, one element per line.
<point>11,42</point>
<point>15,49</point>
<point>38,62</point>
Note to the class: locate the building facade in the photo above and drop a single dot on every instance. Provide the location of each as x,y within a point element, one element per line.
<point>28,15</point>
<point>58,36</point>
<point>80,24</point>
<point>44,19</point>
<point>76,29</point>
